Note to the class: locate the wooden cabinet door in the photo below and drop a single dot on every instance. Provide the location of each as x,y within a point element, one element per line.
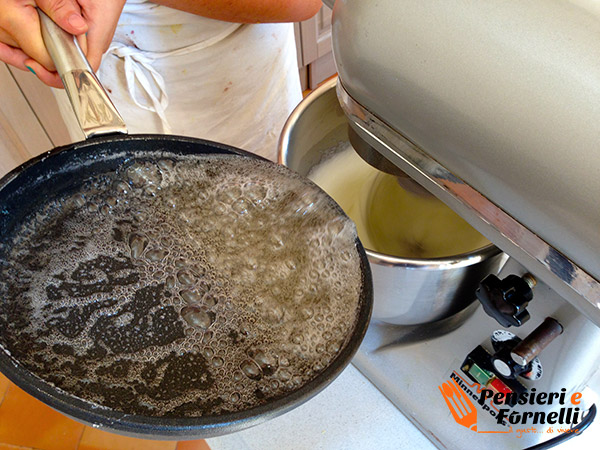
<point>21,134</point>
<point>315,47</point>
<point>30,120</point>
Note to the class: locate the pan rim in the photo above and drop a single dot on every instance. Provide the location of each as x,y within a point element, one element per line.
<point>182,427</point>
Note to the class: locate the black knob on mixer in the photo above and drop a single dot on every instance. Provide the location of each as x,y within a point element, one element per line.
<point>505,300</point>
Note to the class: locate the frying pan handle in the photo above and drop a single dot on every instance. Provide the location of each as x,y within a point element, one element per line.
<point>95,112</point>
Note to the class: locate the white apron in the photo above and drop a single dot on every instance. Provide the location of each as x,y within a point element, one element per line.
<point>172,72</point>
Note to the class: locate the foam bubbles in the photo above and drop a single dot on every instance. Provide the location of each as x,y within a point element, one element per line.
<point>186,286</point>
<point>197,317</point>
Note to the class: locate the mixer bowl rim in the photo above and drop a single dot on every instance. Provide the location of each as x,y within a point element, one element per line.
<point>464,259</point>
<point>445,263</point>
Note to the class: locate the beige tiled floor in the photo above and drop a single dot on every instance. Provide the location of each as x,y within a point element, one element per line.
<point>26,424</point>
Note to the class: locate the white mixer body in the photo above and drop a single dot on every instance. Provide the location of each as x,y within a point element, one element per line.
<point>505,95</point>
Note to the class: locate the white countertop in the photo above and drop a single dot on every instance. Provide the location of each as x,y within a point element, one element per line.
<point>349,414</point>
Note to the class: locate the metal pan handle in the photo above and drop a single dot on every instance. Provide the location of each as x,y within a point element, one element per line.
<point>95,112</point>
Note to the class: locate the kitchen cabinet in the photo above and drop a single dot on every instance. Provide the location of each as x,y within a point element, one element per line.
<point>30,122</point>
<point>315,56</point>
<point>21,134</point>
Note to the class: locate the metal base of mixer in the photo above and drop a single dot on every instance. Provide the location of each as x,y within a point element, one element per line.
<point>409,367</point>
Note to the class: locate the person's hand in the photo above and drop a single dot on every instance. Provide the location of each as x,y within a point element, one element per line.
<point>101,17</point>
<point>21,43</point>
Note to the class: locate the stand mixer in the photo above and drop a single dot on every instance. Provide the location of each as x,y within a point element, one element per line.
<point>493,108</point>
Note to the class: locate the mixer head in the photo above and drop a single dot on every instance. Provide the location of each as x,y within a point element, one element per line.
<point>378,161</point>
<point>491,113</point>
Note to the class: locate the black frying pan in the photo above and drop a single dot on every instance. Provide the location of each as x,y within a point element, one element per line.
<point>23,190</point>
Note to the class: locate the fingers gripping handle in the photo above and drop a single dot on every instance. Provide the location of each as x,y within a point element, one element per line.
<point>95,112</point>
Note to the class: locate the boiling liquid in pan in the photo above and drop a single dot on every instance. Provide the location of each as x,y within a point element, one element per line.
<point>182,287</point>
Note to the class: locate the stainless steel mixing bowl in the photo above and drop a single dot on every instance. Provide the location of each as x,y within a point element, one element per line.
<point>407,291</point>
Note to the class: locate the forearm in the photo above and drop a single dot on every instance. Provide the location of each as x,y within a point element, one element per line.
<point>248,11</point>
